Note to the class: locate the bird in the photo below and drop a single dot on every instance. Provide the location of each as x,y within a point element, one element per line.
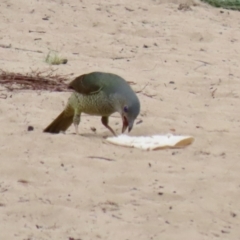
<point>98,94</point>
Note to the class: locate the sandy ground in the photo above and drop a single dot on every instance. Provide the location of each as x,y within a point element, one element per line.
<point>51,188</point>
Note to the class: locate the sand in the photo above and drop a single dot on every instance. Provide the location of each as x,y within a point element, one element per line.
<point>69,187</point>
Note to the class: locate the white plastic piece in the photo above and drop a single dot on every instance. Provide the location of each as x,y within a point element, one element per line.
<point>154,142</point>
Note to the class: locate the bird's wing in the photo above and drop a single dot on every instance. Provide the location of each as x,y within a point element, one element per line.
<point>86,84</point>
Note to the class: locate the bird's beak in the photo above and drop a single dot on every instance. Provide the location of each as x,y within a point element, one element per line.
<point>126,124</point>
<point>130,126</point>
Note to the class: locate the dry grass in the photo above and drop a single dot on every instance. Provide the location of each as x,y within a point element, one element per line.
<point>53,58</point>
<point>35,80</point>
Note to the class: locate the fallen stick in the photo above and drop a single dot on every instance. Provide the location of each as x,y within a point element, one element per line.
<point>30,31</point>
<point>28,50</point>
<point>5,46</point>
<point>102,158</point>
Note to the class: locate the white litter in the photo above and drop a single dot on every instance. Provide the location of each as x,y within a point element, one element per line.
<point>154,142</point>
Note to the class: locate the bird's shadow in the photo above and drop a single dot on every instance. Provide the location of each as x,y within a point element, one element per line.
<point>94,135</point>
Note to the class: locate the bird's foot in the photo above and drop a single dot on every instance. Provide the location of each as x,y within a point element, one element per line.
<point>76,129</point>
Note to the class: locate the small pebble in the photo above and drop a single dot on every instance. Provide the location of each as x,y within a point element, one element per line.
<point>30,128</point>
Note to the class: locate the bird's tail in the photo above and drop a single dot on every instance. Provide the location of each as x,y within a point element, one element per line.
<point>61,123</point>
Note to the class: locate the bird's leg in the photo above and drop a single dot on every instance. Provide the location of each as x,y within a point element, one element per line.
<point>105,123</point>
<point>76,121</point>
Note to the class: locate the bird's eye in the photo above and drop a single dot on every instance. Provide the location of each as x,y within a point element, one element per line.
<point>125,109</point>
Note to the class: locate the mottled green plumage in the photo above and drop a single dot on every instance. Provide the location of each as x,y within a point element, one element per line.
<point>100,94</point>
<point>227,4</point>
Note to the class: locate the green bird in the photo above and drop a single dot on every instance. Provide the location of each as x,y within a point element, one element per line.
<point>99,94</point>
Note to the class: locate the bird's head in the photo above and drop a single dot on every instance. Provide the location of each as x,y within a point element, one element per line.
<point>129,113</point>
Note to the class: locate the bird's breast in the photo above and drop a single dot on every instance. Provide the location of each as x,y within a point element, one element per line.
<point>95,104</point>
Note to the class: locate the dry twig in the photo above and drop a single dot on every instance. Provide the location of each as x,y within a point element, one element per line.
<point>5,46</point>
<point>139,91</point>
<point>213,93</point>
<point>101,158</point>
<point>3,96</point>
